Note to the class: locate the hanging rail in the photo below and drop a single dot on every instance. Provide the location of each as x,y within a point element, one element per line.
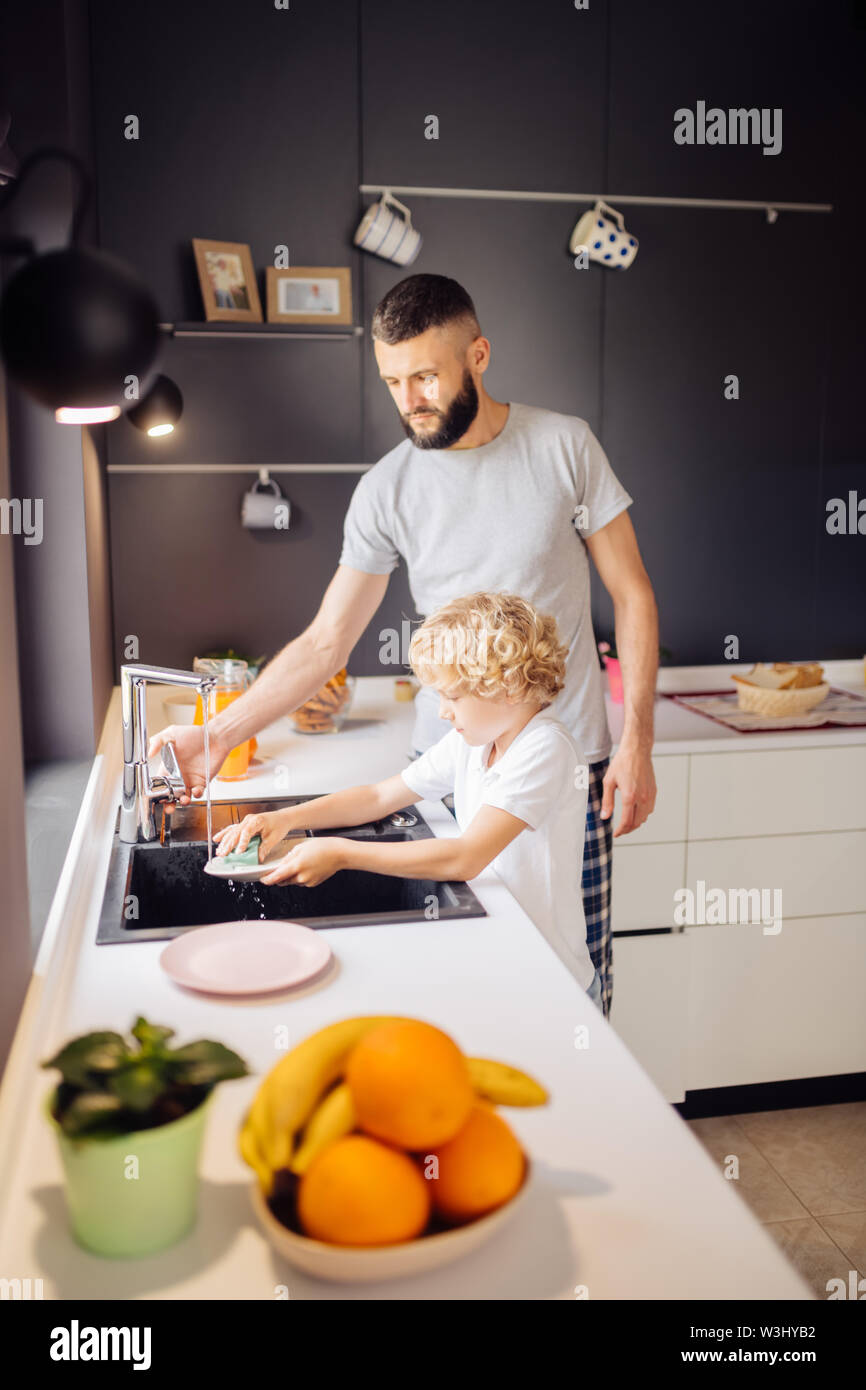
<point>768,205</point>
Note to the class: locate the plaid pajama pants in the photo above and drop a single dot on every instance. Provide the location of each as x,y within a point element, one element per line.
<point>597,851</point>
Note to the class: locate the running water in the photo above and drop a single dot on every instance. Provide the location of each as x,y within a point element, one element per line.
<point>241,893</point>
<point>204,704</point>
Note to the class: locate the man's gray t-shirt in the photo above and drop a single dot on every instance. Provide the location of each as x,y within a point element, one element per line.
<point>504,516</point>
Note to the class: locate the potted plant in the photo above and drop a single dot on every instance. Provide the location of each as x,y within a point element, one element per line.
<point>254,663</point>
<point>129,1119</point>
<point>614,670</point>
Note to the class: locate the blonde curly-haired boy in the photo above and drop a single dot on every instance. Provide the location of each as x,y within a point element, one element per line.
<point>514,769</point>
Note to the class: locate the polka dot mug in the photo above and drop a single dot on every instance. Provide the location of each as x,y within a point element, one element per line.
<point>601,232</point>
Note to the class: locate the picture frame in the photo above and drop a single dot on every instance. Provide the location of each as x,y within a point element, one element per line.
<point>310,294</point>
<point>228,281</point>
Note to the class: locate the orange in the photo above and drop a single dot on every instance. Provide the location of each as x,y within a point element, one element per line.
<point>479,1169</point>
<point>360,1192</point>
<point>410,1084</point>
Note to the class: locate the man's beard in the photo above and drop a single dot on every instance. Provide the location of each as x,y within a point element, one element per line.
<point>453,423</point>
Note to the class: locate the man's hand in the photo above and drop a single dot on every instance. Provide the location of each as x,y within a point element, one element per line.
<point>188,740</point>
<point>631,770</point>
<point>310,862</point>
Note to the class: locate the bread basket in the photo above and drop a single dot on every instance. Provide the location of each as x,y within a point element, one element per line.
<point>756,699</point>
<point>786,688</point>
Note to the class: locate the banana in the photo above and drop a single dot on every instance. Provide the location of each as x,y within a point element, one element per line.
<point>258,1120</point>
<point>295,1113</point>
<point>293,1087</point>
<point>332,1118</point>
<point>249,1151</point>
<point>504,1085</point>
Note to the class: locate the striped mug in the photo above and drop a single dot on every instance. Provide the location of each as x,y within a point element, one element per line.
<point>387,233</point>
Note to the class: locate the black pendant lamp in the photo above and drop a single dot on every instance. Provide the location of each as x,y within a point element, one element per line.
<point>75,324</point>
<point>159,409</point>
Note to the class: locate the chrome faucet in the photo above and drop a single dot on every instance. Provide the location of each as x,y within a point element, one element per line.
<point>141,791</point>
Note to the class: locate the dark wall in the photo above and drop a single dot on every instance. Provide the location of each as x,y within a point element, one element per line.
<point>62,584</point>
<point>259,125</point>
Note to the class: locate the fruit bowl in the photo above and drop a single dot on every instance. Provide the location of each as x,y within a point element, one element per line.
<point>370,1264</point>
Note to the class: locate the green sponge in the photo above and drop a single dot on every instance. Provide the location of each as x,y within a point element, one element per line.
<point>250,855</point>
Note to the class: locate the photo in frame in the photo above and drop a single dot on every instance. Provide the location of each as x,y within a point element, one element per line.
<point>228,281</point>
<point>309,294</point>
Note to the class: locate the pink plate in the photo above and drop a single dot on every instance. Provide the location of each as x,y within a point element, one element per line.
<point>252,957</point>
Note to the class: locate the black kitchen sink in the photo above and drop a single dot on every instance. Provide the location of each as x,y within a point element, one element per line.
<point>159,890</point>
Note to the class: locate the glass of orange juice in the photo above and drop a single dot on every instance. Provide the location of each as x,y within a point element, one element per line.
<point>230,685</point>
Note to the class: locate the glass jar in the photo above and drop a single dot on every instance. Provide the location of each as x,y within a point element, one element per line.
<point>231,682</point>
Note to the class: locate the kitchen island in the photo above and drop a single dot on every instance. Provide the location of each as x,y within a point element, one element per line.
<point>624,1204</point>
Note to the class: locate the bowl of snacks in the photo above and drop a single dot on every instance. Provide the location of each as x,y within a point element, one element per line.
<point>786,688</point>
<point>325,712</point>
<point>380,1151</point>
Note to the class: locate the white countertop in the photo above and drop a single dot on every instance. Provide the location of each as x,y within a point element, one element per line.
<point>681,730</point>
<point>625,1201</point>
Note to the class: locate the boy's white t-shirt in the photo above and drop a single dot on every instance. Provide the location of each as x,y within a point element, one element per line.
<point>535,781</point>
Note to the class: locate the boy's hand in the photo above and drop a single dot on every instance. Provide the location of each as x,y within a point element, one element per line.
<point>271,825</point>
<point>310,862</point>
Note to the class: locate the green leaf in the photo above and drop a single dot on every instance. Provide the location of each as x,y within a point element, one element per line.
<point>90,1111</point>
<point>107,1086</point>
<point>139,1085</point>
<point>204,1063</point>
<point>203,1074</point>
<point>150,1035</point>
<point>93,1052</point>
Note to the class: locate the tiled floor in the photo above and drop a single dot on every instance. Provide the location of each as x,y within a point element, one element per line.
<point>803,1173</point>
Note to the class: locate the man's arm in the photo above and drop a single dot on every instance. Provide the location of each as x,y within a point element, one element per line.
<point>293,676</point>
<point>615,554</point>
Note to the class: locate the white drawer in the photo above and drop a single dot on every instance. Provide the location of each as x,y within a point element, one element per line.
<point>650,1005</point>
<point>817,874</point>
<point>668,820</point>
<point>792,791</point>
<point>775,1008</point>
<point>645,878</point>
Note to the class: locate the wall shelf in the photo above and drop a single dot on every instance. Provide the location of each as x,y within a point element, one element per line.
<point>238,467</point>
<point>339,333</point>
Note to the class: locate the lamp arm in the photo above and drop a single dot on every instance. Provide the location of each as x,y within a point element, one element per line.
<point>7,193</point>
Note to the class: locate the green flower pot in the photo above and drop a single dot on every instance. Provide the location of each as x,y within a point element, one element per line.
<point>112,1211</point>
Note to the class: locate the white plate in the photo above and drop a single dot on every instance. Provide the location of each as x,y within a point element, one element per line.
<point>251,873</point>
<point>251,957</point>
<point>367,1265</point>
